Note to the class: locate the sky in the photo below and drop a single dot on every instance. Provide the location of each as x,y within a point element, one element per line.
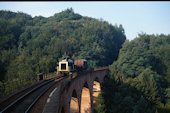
<point>150,17</point>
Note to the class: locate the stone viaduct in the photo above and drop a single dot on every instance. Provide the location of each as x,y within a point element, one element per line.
<point>76,94</point>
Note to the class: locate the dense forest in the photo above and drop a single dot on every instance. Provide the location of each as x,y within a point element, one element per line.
<point>140,78</point>
<point>139,69</point>
<point>32,45</point>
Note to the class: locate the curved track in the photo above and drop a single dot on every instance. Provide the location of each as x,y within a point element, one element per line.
<point>25,102</point>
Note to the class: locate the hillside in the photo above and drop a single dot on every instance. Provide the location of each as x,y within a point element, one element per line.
<point>34,45</point>
<point>140,77</point>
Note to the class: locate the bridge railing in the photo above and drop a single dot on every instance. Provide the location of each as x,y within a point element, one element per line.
<point>101,68</point>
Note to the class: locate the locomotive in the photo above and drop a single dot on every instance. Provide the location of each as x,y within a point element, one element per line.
<point>68,66</point>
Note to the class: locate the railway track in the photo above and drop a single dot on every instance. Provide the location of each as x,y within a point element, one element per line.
<point>9,99</point>
<point>24,103</point>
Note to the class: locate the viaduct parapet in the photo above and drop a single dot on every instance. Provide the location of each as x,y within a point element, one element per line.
<point>76,94</point>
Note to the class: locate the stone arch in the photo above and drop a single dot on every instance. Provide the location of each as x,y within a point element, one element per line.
<point>74,105</point>
<point>96,90</point>
<point>96,79</point>
<point>86,85</point>
<point>96,85</point>
<point>85,99</point>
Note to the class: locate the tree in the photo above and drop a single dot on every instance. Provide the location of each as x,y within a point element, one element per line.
<point>30,45</point>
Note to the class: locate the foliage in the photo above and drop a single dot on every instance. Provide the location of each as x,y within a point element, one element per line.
<point>144,52</point>
<point>29,46</point>
<point>121,98</point>
<point>141,77</point>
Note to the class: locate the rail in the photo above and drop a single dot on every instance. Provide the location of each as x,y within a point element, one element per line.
<point>40,89</point>
<point>41,94</point>
<point>20,98</point>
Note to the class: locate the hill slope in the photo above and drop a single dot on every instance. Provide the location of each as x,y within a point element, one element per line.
<point>140,77</point>
<point>33,45</point>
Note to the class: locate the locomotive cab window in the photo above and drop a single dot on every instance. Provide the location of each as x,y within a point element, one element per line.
<point>63,66</point>
<point>70,64</point>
